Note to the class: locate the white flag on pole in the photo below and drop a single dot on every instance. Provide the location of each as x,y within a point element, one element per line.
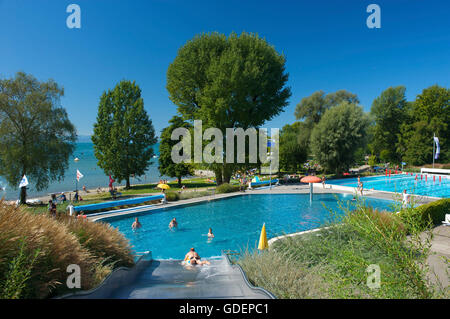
<point>79,175</point>
<point>438,148</point>
<point>23,182</point>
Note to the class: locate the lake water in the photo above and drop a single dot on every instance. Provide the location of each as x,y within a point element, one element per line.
<point>93,175</point>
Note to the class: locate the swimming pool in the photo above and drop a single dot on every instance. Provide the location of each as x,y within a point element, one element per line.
<point>397,183</point>
<point>236,222</point>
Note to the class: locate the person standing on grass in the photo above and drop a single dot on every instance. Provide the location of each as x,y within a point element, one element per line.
<point>51,208</point>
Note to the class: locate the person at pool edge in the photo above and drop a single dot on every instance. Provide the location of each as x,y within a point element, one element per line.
<point>136,224</point>
<point>193,258</point>
<point>405,199</point>
<point>173,223</point>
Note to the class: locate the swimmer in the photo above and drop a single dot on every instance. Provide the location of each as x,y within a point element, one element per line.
<point>173,223</point>
<point>210,233</point>
<point>136,224</point>
<point>192,258</point>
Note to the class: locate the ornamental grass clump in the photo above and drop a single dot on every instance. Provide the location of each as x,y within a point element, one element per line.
<point>36,250</point>
<point>103,241</point>
<point>44,247</point>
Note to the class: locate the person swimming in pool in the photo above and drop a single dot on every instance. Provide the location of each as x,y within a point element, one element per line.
<point>192,258</point>
<point>173,223</point>
<point>136,224</point>
<point>210,234</point>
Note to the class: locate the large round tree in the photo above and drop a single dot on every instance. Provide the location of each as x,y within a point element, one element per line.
<point>228,82</point>
<point>340,132</point>
<point>36,136</point>
<point>123,133</point>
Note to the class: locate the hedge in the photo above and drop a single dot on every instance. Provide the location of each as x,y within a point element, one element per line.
<point>227,188</point>
<point>172,196</point>
<point>434,211</point>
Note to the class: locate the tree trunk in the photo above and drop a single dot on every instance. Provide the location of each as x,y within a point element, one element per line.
<point>23,195</point>
<point>218,173</point>
<point>127,186</point>
<point>179,182</point>
<point>227,170</point>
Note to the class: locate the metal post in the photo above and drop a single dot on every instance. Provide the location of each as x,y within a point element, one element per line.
<point>310,192</point>
<point>270,171</point>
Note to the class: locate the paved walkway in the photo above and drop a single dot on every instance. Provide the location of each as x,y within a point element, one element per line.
<point>439,260</point>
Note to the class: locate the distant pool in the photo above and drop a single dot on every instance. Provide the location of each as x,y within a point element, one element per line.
<point>236,222</point>
<point>397,183</point>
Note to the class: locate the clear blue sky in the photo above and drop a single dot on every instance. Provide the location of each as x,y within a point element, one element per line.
<point>327,44</point>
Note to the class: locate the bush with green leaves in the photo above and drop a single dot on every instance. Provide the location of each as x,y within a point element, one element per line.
<point>227,188</point>
<point>429,214</point>
<point>172,196</point>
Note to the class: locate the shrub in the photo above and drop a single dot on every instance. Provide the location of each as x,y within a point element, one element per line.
<point>226,188</point>
<point>172,196</point>
<point>433,212</point>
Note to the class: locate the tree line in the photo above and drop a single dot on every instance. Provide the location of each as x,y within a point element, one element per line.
<point>235,81</point>
<point>334,129</point>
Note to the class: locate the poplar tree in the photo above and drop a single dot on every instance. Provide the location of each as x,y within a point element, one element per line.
<point>123,133</point>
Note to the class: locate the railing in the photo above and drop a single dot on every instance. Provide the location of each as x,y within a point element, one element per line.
<point>118,277</point>
<point>226,254</point>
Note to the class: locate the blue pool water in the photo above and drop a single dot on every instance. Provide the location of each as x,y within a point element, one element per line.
<point>236,222</point>
<point>397,183</point>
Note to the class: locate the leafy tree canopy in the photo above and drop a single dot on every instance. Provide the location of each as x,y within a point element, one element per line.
<point>166,164</point>
<point>36,136</point>
<point>311,108</point>
<point>123,133</point>
<point>338,135</point>
<point>228,82</point>
<point>389,111</point>
<point>293,150</point>
<point>430,115</point>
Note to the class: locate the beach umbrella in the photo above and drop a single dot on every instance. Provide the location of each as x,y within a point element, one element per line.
<point>311,179</point>
<point>163,186</point>
<point>263,244</point>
